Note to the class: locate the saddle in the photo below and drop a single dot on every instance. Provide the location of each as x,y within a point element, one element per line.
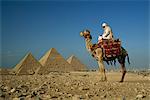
<point>111,48</point>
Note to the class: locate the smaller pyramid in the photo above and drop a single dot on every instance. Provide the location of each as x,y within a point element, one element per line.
<point>76,63</point>
<point>27,66</point>
<point>53,61</point>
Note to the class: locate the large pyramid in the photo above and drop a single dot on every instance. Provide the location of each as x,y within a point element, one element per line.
<point>75,62</point>
<point>53,61</point>
<point>28,65</point>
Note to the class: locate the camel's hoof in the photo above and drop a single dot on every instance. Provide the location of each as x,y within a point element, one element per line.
<point>103,80</point>
<point>120,81</point>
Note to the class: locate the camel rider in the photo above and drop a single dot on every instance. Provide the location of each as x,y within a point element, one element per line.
<point>107,34</point>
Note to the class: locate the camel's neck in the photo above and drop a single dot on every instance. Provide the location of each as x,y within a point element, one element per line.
<point>88,44</point>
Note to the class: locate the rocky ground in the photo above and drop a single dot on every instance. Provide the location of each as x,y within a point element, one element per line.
<point>75,86</point>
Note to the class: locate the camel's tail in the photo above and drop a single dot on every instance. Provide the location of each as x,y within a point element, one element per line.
<point>128,59</point>
<point>125,53</point>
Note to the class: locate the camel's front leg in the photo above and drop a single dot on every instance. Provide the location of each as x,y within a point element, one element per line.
<point>101,64</point>
<point>102,70</point>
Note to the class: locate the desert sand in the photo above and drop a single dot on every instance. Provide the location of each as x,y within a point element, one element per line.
<point>75,86</point>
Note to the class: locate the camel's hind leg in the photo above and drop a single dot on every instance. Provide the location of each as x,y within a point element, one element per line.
<point>101,64</point>
<point>123,68</point>
<point>123,72</point>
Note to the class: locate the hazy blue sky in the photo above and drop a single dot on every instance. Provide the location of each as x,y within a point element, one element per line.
<point>37,26</point>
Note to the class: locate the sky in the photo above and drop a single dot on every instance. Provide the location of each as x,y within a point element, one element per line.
<point>36,26</point>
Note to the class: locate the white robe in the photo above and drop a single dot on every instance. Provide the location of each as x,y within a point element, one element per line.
<point>108,34</point>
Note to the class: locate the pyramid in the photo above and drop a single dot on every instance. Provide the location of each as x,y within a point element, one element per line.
<point>77,65</point>
<point>28,65</point>
<point>53,61</point>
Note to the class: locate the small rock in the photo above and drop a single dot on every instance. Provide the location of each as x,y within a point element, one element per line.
<point>80,88</point>
<point>60,93</point>
<point>85,75</point>
<point>76,97</point>
<point>22,98</point>
<point>6,88</point>
<point>15,99</point>
<point>1,93</point>
<point>19,86</point>
<point>54,97</point>
<point>34,93</point>
<point>28,83</point>
<point>89,95</point>
<point>67,83</point>
<point>143,90</point>
<point>42,92</point>
<point>46,96</point>
<point>136,90</point>
<point>2,86</point>
<point>37,98</point>
<point>140,96</point>
<point>72,88</point>
<point>84,88</point>
<point>104,96</point>
<point>57,90</point>
<point>23,88</point>
<point>24,94</point>
<point>69,95</point>
<point>95,83</point>
<point>44,86</point>
<point>28,96</point>
<point>12,90</point>
<point>137,83</point>
<point>114,84</point>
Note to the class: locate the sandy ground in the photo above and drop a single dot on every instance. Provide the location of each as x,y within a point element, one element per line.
<point>75,86</point>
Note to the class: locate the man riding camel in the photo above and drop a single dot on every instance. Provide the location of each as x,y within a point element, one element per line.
<point>108,49</point>
<point>107,34</point>
<point>110,46</point>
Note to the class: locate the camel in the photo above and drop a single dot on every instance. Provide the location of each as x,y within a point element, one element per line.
<point>98,54</point>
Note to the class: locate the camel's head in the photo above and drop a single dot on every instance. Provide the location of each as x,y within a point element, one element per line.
<point>86,34</point>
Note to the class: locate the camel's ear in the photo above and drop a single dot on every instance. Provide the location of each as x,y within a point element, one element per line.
<point>91,37</point>
<point>81,34</point>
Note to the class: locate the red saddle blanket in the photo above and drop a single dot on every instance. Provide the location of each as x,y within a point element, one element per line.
<point>111,48</point>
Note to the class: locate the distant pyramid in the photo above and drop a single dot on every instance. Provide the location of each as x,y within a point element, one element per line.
<point>75,62</point>
<point>28,65</point>
<point>53,61</point>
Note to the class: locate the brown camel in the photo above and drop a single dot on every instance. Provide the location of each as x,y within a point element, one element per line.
<point>98,54</point>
